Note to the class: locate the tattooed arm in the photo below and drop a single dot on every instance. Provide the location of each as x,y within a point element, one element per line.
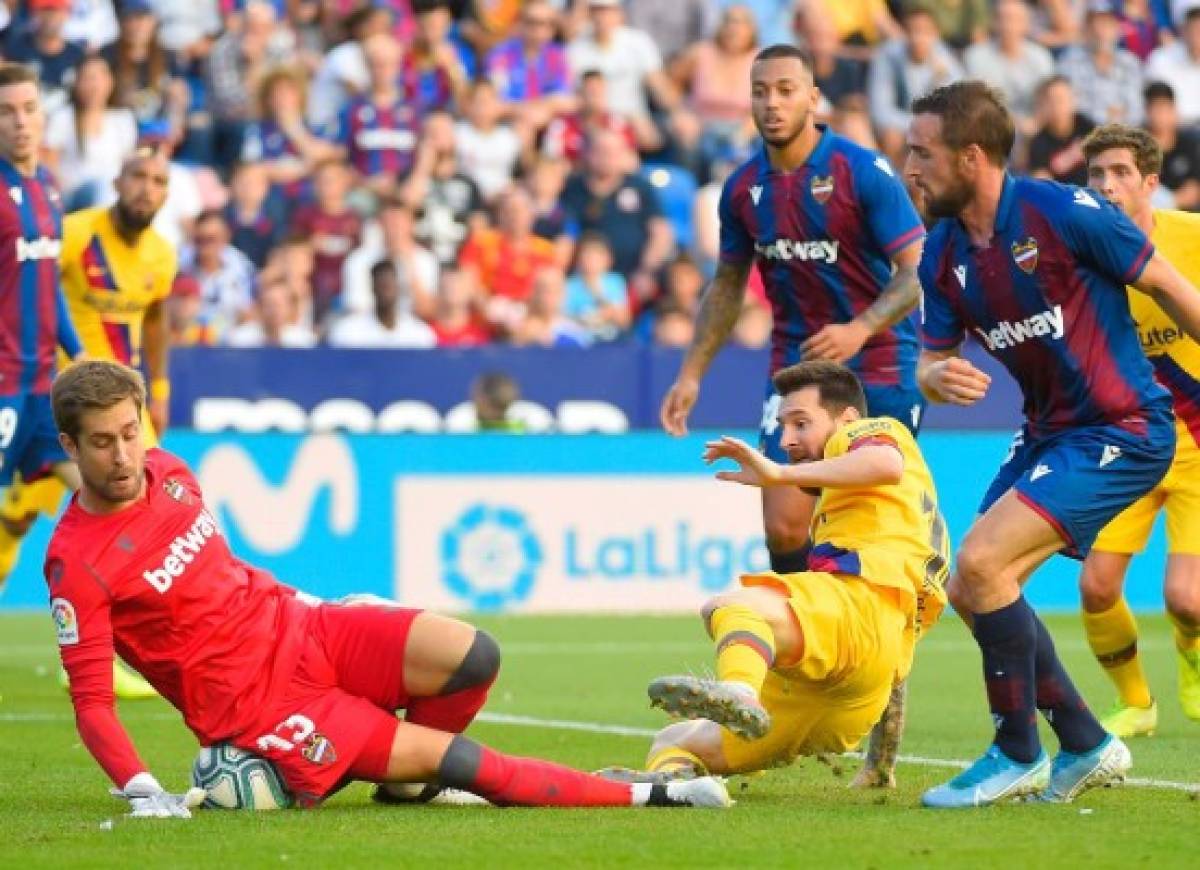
<point>879,766</point>
<point>719,310</point>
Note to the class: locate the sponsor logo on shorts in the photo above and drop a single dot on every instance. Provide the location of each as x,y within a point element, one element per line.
<point>66,625</point>
<point>319,750</point>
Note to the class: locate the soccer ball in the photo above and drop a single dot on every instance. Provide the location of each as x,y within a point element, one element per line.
<point>237,780</point>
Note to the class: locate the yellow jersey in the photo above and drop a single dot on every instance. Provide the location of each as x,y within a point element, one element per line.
<point>1176,358</point>
<point>891,535</point>
<point>109,283</point>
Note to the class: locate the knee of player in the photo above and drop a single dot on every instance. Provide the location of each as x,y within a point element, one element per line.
<point>1183,602</point>
<point>976,564</point>
<point>481,664</point>
<point>1098,592</point>
<point>956,594</point>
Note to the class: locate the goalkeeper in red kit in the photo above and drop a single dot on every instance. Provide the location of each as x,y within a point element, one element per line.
<point>138,567</point>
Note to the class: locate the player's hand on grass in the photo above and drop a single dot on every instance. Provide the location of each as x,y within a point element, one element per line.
<point>755,468</point>
<point>149,800</point>
<point>958,381</point>
<point>677,405</point>
<point>874,777</point>
<point>836,341</point>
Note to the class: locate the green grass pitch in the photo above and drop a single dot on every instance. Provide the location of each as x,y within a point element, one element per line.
<point>561,677</point>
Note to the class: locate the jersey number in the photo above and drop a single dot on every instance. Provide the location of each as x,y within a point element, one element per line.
<point>8,426</point>
<point>291,731</point>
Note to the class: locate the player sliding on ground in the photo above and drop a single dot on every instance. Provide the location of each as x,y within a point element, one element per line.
<point>138,563</point>
<point>806,661</point>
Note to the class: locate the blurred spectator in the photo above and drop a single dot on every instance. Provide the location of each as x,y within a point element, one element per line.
<point>226,277</point>
<point>567,134</point>
<point>774,19</point>
<point>438,65</point>
<point>391,324</point>
<point>276,322</point>
<point>629,60</point>
<point>1012,62</point>
<point>488,22</point>
<point>488,150</point>
<point>683,283</point>
<point>333,230</point>
<point>1178,64</point>
<point>1057,23</point>
<point>87,139</point>
<point>281,139</point>
<point>188,28</point>
<point>530,70</point>
<point>238,61</point>
<point>672,26</point>
<point>850,119</point>
<point>861,23</point>
<point>379,128</point>
<point>505,260</point>
<point>494,394</point>
<point>148,79</point>
<point>546,180</point>
<point>448,202</point>
<point>706,217</point>
<point>839,78</point>
<point>94,23</point>
<point>1181,146</point>
<point>624,208</point>
<point>255,213</point>
<point>344,74</point>
<point>960,22</point>
<point>596,297</point>
<point>753,326</point>
<point>1106,78</point>
<point>456,321</point>
<point>293,259</point>
<point>184,307</point>
<point>40,42</point>
<point>673,327</point>
<point>1056,151</point>
<point>903,69</point>
<point>714,74</point>
<point>546,323</point>
<point>391,238</point>
<point>1139,28</point>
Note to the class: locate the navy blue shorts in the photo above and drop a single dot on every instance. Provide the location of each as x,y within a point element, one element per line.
<point>28,437</point>
<point>902,403</point>
<point>1079,479</point>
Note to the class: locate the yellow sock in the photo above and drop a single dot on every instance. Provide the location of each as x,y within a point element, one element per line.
<point>671,759</point>
<point>745,645</point>
<point>10,551</point>
<point>1187,634</point>
<point>1112,636</point>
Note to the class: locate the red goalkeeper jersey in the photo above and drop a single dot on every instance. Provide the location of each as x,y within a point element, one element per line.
<point>157,583</point>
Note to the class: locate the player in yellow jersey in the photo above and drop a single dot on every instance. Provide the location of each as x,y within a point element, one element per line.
<point>1123,164</point>
<point>116,272</point>
<point>806,662</point>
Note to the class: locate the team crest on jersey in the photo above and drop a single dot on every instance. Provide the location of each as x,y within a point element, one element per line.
<point>319,749</point>
<point>822,188</point>
<point>1026,254</point>
<point>16,194</point>
<point>177,491</point>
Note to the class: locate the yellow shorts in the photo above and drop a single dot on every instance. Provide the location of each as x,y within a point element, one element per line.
<point>857,640</point>
<point>1177,495</point>
<point>44,496</point>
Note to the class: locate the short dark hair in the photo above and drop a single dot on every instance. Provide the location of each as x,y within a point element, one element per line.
<point>16,74</point>
<point>972,113</point>
<point>1158,91</point>
<point>93,385</point>
<point>382,267</point>
<point>1147,153</point>
<point>782,50</point>
<point>837,386</point>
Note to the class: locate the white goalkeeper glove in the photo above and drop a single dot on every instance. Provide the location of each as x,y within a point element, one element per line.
<point>149,800</point>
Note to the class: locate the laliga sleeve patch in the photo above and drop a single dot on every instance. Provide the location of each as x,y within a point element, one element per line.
<point>65,623</point>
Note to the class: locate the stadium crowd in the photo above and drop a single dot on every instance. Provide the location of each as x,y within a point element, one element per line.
<point>418,173</point>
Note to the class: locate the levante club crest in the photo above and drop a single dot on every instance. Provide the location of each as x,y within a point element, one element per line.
<point>822,188</point>
<point>1026,254</point>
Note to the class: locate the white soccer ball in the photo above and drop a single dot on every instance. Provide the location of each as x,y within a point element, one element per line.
<point>234,779</point>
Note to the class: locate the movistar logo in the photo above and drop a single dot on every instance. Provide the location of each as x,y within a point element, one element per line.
<point>794,249</point>
<point>1009,333</point>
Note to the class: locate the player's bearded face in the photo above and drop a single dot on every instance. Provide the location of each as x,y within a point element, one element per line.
<point>111,455</point>
<point>782,98</point>
<point>807,426</point>
<point>933,170</point>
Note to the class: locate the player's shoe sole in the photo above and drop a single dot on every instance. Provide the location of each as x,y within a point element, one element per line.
<point>1071,775</point>
<point>631,775</point>
<point>694,698</point>
<point>1128,722</point>
<point>705,791</point>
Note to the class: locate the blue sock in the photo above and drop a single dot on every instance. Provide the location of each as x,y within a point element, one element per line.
<point>1060,702</point>
<point>791,562</point>
<point>1008,640</point>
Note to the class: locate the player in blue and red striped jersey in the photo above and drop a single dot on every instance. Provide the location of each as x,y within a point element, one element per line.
<point>33,311</point>
<point>1037,271</point>
<point>837,241</point>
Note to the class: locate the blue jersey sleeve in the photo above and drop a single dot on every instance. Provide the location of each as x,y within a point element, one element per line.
<point>737,245</point>
<point>941,327</point>
<point>888,209</point>
<point>68,338</point>
<point>1101,236</point>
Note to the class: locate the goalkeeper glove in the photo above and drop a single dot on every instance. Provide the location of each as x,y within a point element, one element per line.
<point>149,800</point>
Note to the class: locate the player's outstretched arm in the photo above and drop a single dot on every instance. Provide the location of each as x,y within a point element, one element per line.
<point>719,310</point>
<point>946,377</point>
<point>1174,294</point>
<point>874,465</point>
<point>879,765</point>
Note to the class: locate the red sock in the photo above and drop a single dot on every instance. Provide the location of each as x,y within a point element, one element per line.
<point>508,780</point>
<point>451,713</point>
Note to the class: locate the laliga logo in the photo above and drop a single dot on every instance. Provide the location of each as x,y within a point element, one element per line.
<point>273,518</point>
<point>490,557</point>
